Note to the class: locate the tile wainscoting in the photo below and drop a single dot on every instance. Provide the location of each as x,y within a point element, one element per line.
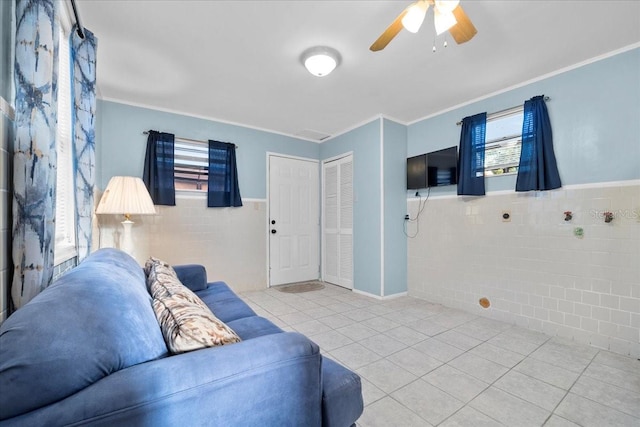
<point>230,242</point>
<point>533,269</point>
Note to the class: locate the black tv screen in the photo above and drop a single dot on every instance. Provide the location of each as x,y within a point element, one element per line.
<point>417,172</point>
<point>442,167</point>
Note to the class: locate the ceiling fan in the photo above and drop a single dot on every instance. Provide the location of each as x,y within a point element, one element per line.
<point>447,15</point>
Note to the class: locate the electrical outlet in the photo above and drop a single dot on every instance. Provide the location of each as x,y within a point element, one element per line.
<point>506,216</point>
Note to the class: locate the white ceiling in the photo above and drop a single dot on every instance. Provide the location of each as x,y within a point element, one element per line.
<point>239,61</point>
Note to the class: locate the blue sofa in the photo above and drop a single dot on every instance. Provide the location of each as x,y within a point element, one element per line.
<point>89,350</point>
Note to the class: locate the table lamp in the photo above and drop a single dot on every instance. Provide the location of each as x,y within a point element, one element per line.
<point>126,195</point>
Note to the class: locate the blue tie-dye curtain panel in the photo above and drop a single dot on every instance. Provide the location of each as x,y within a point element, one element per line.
<point>83,53</point>
<point>34,158</point>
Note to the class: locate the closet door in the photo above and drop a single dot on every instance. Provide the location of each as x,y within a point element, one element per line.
<point>338,221</point>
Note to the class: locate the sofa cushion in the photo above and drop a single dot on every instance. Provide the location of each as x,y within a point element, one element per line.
<point>193,276</point>
<point>224,303</point>
<point>187,326</point>
<point>95,320</point>
<point>253,327</point>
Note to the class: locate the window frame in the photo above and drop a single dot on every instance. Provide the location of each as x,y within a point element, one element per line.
<point>200,151</point>
<point>502,141</point>
<point>66,246</point>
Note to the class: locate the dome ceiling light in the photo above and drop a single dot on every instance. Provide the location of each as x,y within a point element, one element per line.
<point>320,60</point>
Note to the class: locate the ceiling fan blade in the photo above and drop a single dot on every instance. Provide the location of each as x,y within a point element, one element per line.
<point>388,35</point>
<point>464,30</point>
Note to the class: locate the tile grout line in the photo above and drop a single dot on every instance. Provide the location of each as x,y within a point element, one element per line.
<point>397,307</point>
<point>494,381</point>
<point>569,389</point>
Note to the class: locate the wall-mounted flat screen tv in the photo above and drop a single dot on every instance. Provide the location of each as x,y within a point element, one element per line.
<point>434,169</point>
<point>442,167</point>
<point>417,172</point>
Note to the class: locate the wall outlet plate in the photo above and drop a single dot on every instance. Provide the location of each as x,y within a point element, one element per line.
<point>506,216</point>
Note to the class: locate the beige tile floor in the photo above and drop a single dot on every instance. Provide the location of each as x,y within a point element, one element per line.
<point>423,364</point>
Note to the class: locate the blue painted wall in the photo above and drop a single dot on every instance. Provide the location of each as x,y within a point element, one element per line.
<point>364,142</point>
<point>594,114</point>
<point>395,207</point>
<point>121,144</point>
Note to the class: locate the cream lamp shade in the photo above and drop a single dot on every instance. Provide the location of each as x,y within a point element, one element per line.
<point>126,195</point>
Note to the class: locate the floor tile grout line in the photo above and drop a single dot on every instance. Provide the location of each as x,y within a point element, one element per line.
<point>409,323</point>
<point>607,383</point>
<point>491,384</point>
<point>569,390</point>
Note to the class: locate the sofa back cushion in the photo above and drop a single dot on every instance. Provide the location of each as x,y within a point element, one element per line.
<point>95,320</point>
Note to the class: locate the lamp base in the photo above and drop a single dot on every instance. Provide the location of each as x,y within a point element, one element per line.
<point>127,242</point>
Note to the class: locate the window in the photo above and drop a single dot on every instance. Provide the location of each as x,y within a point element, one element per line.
<point>191,165</point>
<point>503,142</point>
<point>65,245</point>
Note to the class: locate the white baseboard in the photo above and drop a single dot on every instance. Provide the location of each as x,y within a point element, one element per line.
<point>382,298</point>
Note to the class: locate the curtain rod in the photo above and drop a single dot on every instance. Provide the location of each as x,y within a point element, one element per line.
<point>195,141</point>
<point>503,112</point>
<point>80,29</point>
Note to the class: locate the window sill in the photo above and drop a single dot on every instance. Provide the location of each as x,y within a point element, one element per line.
<point>487,175</point>
<point>178,191</point>
<point>64,253</point>
<point>191,194</point>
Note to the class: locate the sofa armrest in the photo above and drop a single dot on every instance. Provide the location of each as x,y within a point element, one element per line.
<point>270,380</point>
<point>193,276</point>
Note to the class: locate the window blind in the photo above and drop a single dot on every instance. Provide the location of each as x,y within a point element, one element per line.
<point>65,247</point>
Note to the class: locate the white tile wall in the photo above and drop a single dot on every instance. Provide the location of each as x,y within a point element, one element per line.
<point>230,242</point>
<point>533,269</point>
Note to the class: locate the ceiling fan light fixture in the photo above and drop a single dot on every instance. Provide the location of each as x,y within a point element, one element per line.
<point>320,60</point>
<point>443,20</point>
<point>412,20</point>
<point>446,5</point>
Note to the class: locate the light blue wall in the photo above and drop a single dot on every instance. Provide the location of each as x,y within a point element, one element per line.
<point>364,142</point>
<point>395,207</point>
<point>594,114</point>
<point>121,144</point>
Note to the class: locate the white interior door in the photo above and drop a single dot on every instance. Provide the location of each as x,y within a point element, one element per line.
<point>337,216</point>
<point>294,220</point>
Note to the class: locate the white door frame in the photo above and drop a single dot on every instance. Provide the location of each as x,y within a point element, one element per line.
<point>266,220</point>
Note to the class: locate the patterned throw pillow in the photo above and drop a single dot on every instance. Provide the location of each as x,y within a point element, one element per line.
<point>187,326</point>
<point>163,282</point>
<point>185,320</point>
<point>155,265</point>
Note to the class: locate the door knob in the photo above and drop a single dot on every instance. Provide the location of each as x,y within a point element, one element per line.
<point>273,231</point>
<point>273,221</point>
